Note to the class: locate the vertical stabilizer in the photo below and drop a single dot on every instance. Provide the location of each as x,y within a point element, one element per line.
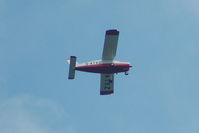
<point>71,74</point>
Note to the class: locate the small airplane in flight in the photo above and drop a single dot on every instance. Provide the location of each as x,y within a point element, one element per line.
<point>107,66</point>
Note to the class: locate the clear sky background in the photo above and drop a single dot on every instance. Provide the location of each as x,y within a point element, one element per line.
<point>159,37</point>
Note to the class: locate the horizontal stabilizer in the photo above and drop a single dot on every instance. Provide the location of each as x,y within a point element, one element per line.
<point>71,74</point>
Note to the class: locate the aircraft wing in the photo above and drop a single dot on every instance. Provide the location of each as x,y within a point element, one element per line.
<point>106,84</point>
<point>110,44</point>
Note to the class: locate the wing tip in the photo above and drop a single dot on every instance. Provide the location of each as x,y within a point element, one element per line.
<point>73,57</point>
<point>112,32</point>
<point>106,92</point>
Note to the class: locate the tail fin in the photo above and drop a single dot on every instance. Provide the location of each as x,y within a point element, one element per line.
<point>72,62</point>
<point>68,61</point>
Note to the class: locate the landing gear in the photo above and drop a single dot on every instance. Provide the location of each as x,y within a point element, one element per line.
<point>126,73</point>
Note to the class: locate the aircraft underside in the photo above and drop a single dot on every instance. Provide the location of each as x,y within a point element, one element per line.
<point>104,68</point>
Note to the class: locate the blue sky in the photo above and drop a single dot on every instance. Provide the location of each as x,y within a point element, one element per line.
<point>158,37</point>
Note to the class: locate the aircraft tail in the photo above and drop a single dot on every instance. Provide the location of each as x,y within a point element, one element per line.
<point>72,62</point>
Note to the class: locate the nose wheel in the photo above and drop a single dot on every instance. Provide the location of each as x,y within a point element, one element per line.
<point>126,73</point>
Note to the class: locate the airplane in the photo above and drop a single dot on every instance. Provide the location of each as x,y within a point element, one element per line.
<point>106,67</point>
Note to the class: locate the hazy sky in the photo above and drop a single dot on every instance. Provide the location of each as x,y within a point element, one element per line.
<point>160,39</point>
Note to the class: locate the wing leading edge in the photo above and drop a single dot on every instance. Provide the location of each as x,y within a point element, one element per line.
<point>110,44</point>
<point>106,84</point>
